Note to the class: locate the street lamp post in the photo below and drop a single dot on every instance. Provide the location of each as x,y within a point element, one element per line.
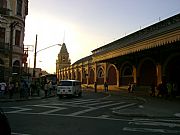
<point>35,53</point>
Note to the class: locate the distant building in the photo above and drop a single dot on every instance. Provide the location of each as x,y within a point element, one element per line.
<point>13,58</point>
<point>63,60</point>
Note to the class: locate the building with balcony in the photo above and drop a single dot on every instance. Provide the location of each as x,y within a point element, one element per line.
<point>13,58</point>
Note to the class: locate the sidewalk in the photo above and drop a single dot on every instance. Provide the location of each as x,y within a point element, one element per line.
<point>16,97</point>
<point>152,107</point>
<point>149,107</point>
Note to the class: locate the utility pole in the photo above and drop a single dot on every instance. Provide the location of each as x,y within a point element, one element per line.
<point>35,53</point>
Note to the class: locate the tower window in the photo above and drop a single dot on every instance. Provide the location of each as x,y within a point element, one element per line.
<point>18,37</point>
<point>19,7</point>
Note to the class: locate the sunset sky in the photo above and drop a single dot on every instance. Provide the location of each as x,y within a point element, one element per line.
<point>84,25</point>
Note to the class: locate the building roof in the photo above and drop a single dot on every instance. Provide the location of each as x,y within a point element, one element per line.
<point>165,26</point>
<point>63,49</point>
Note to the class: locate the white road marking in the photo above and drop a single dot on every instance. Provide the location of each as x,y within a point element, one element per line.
<point>110,105</point>
<point>54,110</point>
<point>93,108</point>
<point>103,116</point>
<point>81,112</point>
<point>79,101</point>
<point>154,123</point>
<point>177,114</point>
<point>124,106</point>
<point>99,103</point>
<point>151,130</point>
<point>19,134</point>
<point>84,102</point>
<point>19,109</point>
<point>64,115</point>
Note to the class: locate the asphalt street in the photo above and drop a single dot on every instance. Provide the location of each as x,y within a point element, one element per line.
<point>90,114</point>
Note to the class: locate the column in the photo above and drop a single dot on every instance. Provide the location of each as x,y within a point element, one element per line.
<point>134,74</point>
<point>159,73</point>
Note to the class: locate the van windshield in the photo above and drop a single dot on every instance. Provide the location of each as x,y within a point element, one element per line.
<point>65,83</point>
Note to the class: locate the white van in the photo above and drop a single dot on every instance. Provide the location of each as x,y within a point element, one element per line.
<point>69,88</point>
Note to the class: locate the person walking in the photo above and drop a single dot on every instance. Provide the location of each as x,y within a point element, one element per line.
<point>11,90</point>
<point>46,89</point>
<point>105,87</point>
<point>95,87</point>
<point>152,90</point>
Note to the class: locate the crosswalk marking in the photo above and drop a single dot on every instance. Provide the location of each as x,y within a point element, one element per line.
<point>81,112</point>
<point>99,103</point>
<point>79,101</point>
<point>19,109</point>
<point>54,110</point>
<point>111,105</point>
<point>124,106</point>
<point>92,109</point>
<point>83,105</point>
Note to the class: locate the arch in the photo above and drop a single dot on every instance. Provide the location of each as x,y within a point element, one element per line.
<point>78,75</point>
<point>91,76</point>
<point>126,76</point>
<point>112,75</point>
<point>100,76</point>
<point>172,70</point>
<point>147,72</point>
<point>84,76</point>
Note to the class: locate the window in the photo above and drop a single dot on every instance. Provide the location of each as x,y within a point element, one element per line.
<point>3,3</point>
<point>2,35</point>
<point>19,7</point>
<point>100,73</point>
<point>18,37</point>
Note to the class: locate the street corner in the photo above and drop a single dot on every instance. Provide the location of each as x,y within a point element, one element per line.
<point>136,110</point>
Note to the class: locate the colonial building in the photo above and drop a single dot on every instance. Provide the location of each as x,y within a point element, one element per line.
<point>63,60</point>
<point>150,55</point>
<point>12,26</point>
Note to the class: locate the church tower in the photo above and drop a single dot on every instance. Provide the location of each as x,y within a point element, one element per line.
<point>63,60</point>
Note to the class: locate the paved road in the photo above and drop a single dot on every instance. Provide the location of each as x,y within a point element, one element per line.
<point>91,114</point>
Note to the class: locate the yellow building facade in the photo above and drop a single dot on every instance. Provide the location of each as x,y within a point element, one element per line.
<point>145,57</point>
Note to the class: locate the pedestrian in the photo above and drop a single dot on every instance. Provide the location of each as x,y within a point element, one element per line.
<point>2,89</point>
<point>129,88</point>
<point>46,89</point>
<point>133,88</point>
<point>95,87</point>
<point>11,90</point>
<point>152,90</point>
<point>169,89</point>
<point>106,87</point>
<point>16,87</point>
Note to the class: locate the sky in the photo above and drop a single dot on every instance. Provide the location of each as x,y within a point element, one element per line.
<point>85,25</point>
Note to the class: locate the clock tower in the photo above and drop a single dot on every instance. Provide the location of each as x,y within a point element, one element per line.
<point>63,60</point>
